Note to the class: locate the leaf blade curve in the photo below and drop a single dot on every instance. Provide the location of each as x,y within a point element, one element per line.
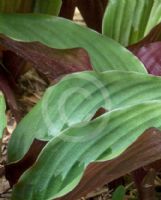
<point>122,127</point>
<point>105,53</point>
<point>76,98</point>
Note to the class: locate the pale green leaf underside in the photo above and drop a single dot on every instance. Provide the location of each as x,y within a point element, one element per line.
<point>62,162</point>
<point>60,33</point>
<point>2,115</point>
<point>76,98</point>
<point>128,21</point>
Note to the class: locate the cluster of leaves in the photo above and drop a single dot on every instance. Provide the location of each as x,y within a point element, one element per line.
<point>55,143</point>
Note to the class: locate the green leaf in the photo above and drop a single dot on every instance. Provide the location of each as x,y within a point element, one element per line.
<point>60,33</point>
<point>119,193</point>
<point>63,160</point>
<point>76,98</point>
<point>2,115</point>
<point>51,7</point>
<point>129,21</point>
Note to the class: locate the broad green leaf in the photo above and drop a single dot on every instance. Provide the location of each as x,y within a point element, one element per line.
<point>60,33</point>
<point>2,115</point>
<point>119,193</point>
<point>63,160</point>
<point>51,7</point>
<point>76,98</point>
<point>128,21</point>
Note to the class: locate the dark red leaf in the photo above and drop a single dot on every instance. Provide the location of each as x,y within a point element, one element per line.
<point>144,151</point>
<point>150,55</point>
<point>68,8</point>
<point>154,35</point>
<point>52,63</point>
<point>92,12</point>
<point>14,64</point>
<point>148,50</point>
<point>13,171</point>
<point>5,87</point>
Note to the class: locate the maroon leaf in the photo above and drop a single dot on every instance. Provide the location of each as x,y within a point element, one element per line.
<point>144,151</point>
<point>92,12</point>
<point>14,64</point>
<point>48,61</point>
<point>148,51</point>
<point>68,8</point>
<point>5,87</point>
<point>150,55</point>
<point>13,171</point>
<point>154,35</point>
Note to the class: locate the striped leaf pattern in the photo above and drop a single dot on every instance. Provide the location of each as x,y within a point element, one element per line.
<point>63,160</point>
<point>128,21</point>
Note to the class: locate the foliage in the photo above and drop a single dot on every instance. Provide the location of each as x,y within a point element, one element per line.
<point>137,17</point>
<point>100,140</point>
<point>63,102</point>
<point>50,31</point>
<point>64,133</point>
